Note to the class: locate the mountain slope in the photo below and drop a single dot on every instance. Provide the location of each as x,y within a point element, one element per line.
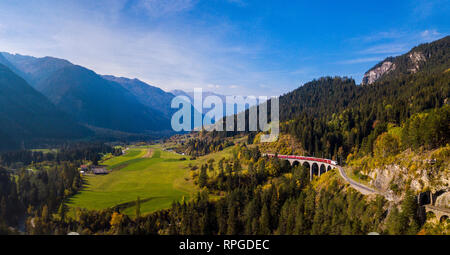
<point>26,116</point>
<point>91,99</point>
<point>147,95</point>
<point>99,102</point>
<point>430,57</point>
<point>34,69</point>
<point>10,66</point>
<point>318,97</point>
<point>334,117</point>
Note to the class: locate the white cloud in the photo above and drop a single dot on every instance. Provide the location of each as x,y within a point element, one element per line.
<point>361,60</point>
<point>388,48</point>
<point>379,36</point>
<point>160,55</point>
<point>213,86</point>
<point>430,35</point>
<point>159,8</point>
<point>396,42</point>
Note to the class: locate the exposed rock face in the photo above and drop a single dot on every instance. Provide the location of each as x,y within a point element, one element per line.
<point>408,63</point>
<point>375,73</point>
<point>416,58</point>
<point>384,179</point>
<point>393,177</point>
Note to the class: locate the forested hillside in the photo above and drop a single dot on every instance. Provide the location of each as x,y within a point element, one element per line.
<point>28,118</point>
<point>333,116</point>
<point>48,179</point>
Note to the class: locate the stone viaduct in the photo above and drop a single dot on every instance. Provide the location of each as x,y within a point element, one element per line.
<point>441,213</point>
<point>317,166</point>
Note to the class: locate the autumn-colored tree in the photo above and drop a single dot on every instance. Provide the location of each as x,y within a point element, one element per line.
<point>116,221</point>
<point>386,145</point>
<point>62,211</point>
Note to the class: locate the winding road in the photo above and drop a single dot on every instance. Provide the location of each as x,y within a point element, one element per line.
<point>358,186</point>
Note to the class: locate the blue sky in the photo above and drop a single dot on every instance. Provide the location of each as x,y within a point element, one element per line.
<point>238,47</point>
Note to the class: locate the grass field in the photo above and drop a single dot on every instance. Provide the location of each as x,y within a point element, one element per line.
<point>158,181</point>
<point>157,176</point>
<point>45,150</point>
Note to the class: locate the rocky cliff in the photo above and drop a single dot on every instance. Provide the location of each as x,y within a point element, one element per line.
<point>377,72</point>
<point>420,171</point>
<point>429,56</point>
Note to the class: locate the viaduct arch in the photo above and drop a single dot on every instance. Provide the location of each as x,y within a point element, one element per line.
<point>317,166</point>
<point>441,214</point>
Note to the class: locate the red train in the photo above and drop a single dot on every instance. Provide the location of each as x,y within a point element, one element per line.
<point>327,161</point>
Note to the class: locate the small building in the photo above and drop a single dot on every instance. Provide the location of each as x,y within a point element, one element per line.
<point>99,170</point>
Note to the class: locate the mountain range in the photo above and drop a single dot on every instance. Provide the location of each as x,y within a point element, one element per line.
<point>61,100</point>
<point>48,99</point>
<point>150,96</point>
<point>92,105</point>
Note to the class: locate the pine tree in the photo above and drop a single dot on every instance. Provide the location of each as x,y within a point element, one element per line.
<point>138,208</point>
<point>45,214</point>
<point>62,210</point>
<point>396,223</point>
<point>232,220</point>
<point>265,221</point>
<point>203,177</point>
<point>3,209</point>
<point>409,211</point>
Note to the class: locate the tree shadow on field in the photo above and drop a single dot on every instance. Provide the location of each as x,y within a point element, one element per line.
<point>123,206</point>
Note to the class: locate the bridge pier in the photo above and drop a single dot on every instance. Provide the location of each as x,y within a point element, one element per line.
<point>326,167</point>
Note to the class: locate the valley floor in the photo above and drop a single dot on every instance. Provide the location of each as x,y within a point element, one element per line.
<point>157,176</point>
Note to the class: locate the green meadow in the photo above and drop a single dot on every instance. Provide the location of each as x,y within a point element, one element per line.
<point>157,177</point>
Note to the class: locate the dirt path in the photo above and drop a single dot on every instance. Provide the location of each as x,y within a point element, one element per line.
<point>149,153</point>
